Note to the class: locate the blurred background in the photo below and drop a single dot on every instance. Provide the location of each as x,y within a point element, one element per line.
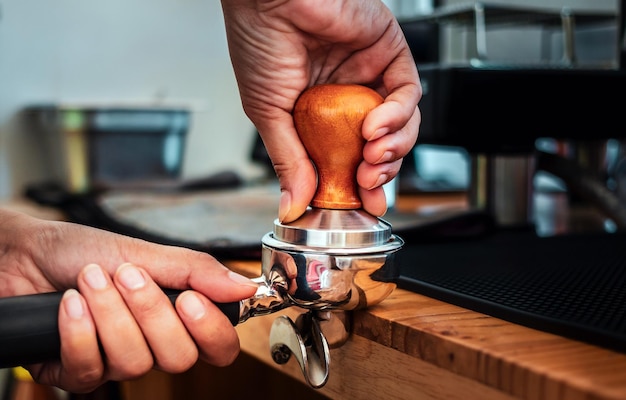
<point>162,53</point>
<point>172,54</point>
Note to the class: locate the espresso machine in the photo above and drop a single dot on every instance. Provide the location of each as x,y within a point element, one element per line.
<point>334,258</point>
<point>498,110</point>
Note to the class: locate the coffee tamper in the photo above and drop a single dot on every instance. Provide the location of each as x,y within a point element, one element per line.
<point>335,258</point>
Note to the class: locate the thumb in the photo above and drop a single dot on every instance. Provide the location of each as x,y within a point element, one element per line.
<point>295,171</point>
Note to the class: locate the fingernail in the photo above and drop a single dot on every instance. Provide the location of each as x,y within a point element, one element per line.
<point>284,206</point>
<point>240,279</point>
<point>95,277</point>
<point>192,306</point>
<point>380,132</point>
<point>381,180</point>
<point>73,305</point>
<point>386,157</point>
<point>131,277</point>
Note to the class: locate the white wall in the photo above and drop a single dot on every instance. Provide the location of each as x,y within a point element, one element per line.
<point>147,51</point>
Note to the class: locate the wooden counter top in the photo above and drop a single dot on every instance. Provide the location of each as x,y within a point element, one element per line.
<point>411,347</point>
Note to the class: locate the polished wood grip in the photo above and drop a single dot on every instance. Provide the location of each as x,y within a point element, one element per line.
<point>329,119</point>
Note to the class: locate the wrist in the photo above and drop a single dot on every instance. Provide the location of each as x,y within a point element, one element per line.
<point>17,241</point>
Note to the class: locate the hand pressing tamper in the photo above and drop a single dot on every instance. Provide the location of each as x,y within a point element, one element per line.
<point>334,258</point>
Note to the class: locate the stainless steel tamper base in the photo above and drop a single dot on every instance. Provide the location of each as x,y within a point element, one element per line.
<point>327,260</point>
<point>335,231</point>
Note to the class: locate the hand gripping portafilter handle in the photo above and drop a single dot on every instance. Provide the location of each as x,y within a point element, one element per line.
<point>29,329</point>
<point>329,120</point>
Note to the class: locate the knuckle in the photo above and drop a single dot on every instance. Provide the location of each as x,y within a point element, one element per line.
<point>180,362</point>
<point>226,358</point>
<point>132,368</point>
<point>146,306</point>
<point>227,354</point>
<point>89,379</point>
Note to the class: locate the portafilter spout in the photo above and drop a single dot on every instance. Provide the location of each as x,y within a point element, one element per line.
<point>336,257</point>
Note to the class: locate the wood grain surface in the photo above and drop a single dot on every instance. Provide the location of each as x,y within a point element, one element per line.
<point>413,346</point>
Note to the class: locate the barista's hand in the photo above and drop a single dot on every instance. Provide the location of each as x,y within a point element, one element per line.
<point>279,48</point>
<point>119,301</point>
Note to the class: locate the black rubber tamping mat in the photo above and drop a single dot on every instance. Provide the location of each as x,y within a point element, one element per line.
<point>573,285</point>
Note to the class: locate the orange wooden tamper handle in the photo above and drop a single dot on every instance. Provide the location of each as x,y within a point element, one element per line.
<point>329,119</point>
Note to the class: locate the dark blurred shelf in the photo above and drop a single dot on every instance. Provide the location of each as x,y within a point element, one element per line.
<point>506,108</point>
<point>499,14</point>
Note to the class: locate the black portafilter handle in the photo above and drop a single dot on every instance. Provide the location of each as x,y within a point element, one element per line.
<point>29,328</point>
